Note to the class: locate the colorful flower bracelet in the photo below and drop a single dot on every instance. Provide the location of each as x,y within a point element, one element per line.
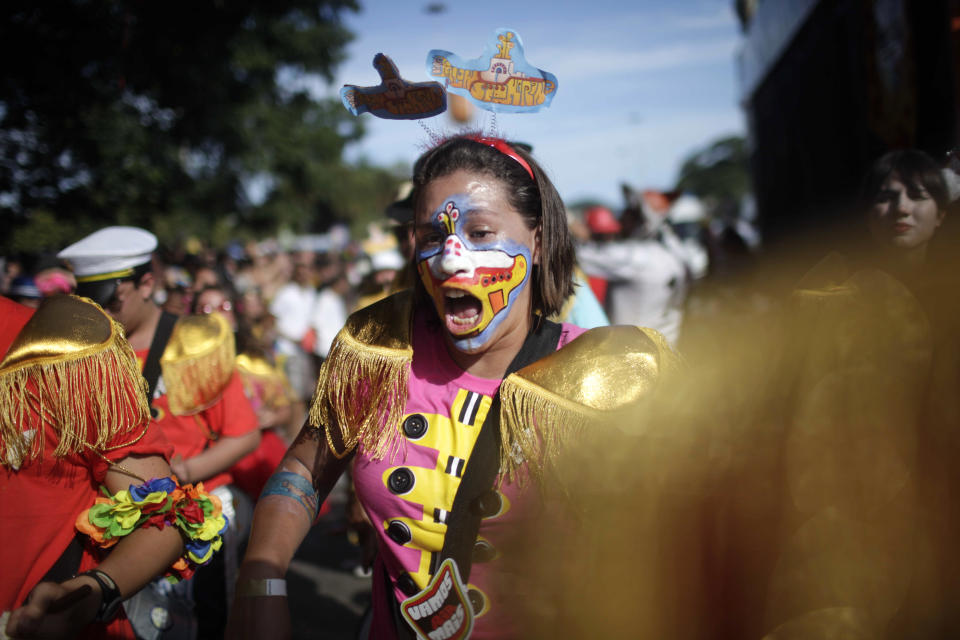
<point>158,503</point>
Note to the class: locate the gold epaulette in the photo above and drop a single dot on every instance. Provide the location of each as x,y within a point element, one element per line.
<point>598,373</point>
<point>71,366</point>
<point>362,386</point>
<point>197,362</point>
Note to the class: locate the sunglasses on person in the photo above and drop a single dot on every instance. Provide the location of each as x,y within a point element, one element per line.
<point>226,305</point>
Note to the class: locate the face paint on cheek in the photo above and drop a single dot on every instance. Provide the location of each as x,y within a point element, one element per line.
<point>497,291</point>
<point>473,287</point>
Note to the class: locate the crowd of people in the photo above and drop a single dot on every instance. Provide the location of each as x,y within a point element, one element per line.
<point>446,366</point>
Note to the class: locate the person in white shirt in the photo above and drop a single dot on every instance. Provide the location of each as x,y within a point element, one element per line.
<point>292,307</point>
<point>647,272</point>
<point>329,313</point>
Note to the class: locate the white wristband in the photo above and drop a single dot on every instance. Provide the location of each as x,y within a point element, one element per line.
<point>265,587</point>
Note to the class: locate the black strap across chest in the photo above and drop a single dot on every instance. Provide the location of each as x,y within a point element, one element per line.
<point>463,523</point>
<point>151,368</point>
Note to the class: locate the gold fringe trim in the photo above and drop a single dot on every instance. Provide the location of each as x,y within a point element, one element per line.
<point>197,363</point>
<point>534,425</point>
<point>362,392</point>
<point>89,398</point>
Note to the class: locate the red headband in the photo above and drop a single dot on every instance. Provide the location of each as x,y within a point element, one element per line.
<point>501,145</point>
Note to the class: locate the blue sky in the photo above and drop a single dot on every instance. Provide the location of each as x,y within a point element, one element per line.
<point>641,84</point>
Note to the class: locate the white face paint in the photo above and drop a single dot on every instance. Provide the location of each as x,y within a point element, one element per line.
<point>457,257</point>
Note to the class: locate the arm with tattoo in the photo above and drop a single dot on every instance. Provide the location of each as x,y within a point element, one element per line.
<point>288,505</point>
<point>295,486</point>
<point>285,512</point>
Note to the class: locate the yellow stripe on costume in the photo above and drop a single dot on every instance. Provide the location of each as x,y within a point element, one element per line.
<point>436,488</point>
<point>123,273</point>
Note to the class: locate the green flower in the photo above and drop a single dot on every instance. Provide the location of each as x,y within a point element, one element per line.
<point>117,519</point>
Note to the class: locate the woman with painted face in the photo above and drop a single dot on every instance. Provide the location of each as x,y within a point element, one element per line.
<point>449,402</point>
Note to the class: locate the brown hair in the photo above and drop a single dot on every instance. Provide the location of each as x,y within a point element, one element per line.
<point>536,199</point>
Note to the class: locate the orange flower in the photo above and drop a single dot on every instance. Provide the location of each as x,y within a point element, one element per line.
<point>218,506</point>
<point>84,526</point>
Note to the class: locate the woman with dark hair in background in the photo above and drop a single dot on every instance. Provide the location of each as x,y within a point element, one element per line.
<point>906,198</point>
<point>877,391</point>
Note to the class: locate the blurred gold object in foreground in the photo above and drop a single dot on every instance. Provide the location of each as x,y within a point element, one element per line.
<point>797,480</point>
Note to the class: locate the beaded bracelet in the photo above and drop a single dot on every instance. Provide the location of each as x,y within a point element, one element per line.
<point>159,502</point>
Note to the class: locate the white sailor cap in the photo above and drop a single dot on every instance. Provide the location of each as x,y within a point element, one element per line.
<point>387,259</point>
<point>106,257</point>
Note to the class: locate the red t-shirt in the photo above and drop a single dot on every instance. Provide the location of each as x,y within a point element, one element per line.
<point>230,416</point>
<point>12,318</point>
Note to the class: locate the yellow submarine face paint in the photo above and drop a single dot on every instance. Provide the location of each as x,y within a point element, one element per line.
<point>473,283</point>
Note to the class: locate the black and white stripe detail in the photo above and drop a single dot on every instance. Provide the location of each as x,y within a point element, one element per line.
<point>470,408</point>
<point>440,515</point>
<point>455,466</point>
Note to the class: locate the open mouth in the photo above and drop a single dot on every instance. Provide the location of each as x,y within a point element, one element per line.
<point>461,311</point>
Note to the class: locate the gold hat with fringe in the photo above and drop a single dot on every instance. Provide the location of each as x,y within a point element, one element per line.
<point>198,362</point>
<point>71,367</point>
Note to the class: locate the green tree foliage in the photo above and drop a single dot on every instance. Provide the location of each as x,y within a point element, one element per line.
<point>718,172</point>
<point>159,114</point>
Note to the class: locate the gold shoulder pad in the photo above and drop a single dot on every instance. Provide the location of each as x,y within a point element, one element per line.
<point>197,362</point>
<point>362,386</point>
<point>63,328</point>
<point>603,370</point>
<point>71,366</point>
